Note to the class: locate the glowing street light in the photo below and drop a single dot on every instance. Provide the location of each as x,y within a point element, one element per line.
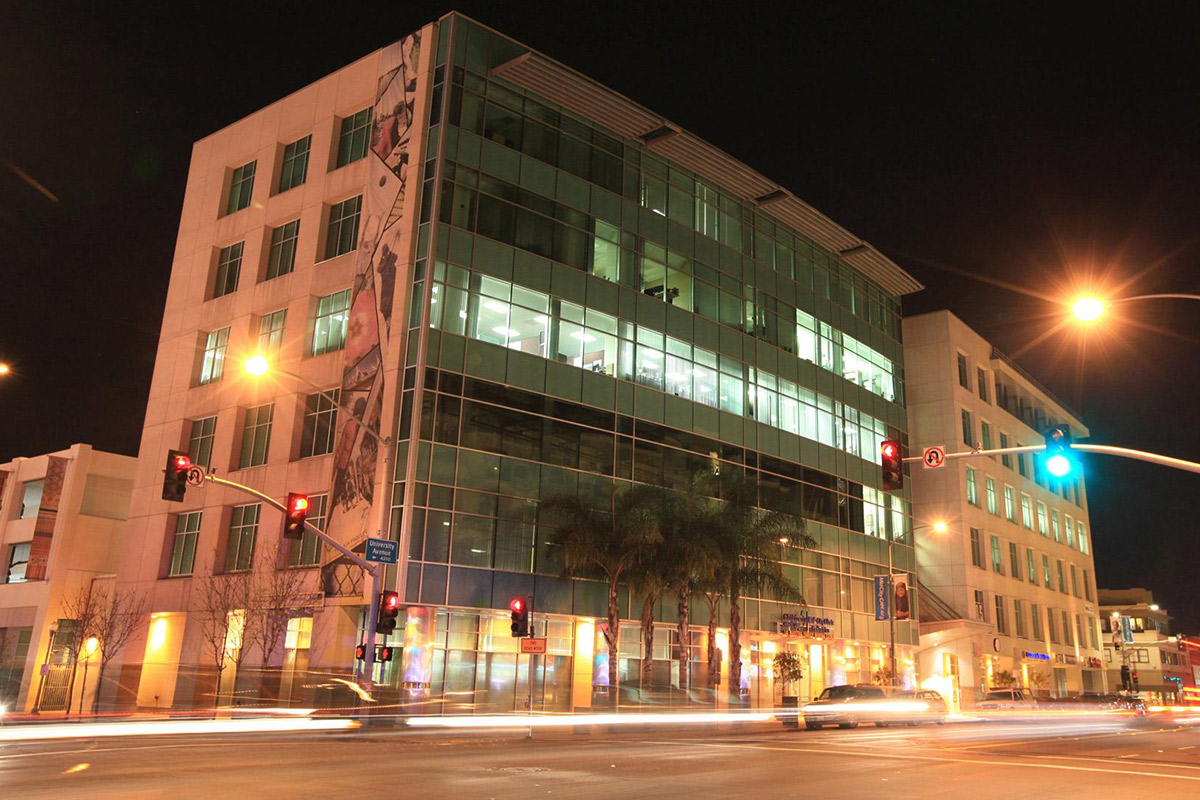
<point>939,527</point>
<point>257,365</point>
<point>5,369</point>
<point>1088,309</point>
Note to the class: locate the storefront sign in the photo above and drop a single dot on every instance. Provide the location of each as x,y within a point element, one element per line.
<point>803,624</point>
<point>1037,656</point>
<point>1094,663</point>
<point>1060,658</point>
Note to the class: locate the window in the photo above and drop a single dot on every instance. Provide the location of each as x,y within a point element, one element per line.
<point>1005,458</point>
<point>282,257</point>
<point>1019,618</point>
<point>306,552</point>
<point>31,498</point>
<point>329,327</point>
<point>1001,617</point>
<point>976,548</point>
<point>200,442</point>
<point>294,170</point>
<point>320,423</point>
<point>241,185</point>
<point>243,529</point>
<point>1023,463</point>
<point>1035,616</point>
<point>1074,581</point>
<point>985,435</point>
<point>342,235</point>
<point>355,136</point>
<point>1030,566</point>
<point>1046,572</point>
<point>981,383</point>
<point>1062,581</point>
<point>980,608</point>
<point>1052,625</point>
<point>1081,534</point>
<point>1026,511</point>
<point>1067,527</point>
<point>183,545</point>
<point>1041,518</point>
<point>270,333</point>
<point>229,266</point>
<point>1010,502</point>
<point>1066,620</point>
<point>1014,560</point>
<point>1054,525</point>
<point>997,559</point>
<point>964,375</point>
<point>972,489</point>
<point>1087,585</point>
<point>990,486</point>
<point>18,560</point>
<point>256,436</point>
<point>968,440</point>
<point>212,362</point>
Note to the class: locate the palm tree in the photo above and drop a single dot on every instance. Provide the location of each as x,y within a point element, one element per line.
<point>690,557</point>
<point>607,545</point>
<point>748,541</point>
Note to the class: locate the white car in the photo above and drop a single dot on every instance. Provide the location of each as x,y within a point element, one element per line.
<point>1006,700</point>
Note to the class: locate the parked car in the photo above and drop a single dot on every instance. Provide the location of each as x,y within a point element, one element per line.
<point>1006,699</point>
<point>845,706</point>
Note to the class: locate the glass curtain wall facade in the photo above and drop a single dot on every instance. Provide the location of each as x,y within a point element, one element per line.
<point>585,312</point>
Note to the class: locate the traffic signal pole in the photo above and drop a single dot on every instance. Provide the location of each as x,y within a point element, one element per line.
<point>1100,449</point>
<point>373,570</point>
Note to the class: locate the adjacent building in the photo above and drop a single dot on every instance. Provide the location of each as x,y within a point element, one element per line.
<point>1013,571</point>
<point>1140,653</point>
<point>61,521</point>
<point>522,284</point>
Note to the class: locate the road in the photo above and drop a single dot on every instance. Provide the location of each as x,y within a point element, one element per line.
<point>1065,759</point>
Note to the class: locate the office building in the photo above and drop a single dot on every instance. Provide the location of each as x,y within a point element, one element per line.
<point>1013,572</point>
<point>1140,652</point>
<point>522,284</point>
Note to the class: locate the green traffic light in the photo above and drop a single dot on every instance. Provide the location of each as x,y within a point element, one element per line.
<point>1059,465</point>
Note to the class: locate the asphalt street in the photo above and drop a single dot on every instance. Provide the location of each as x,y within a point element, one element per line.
<point>1060,759</point>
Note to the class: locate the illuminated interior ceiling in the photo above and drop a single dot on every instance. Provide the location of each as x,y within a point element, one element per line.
<point>583,96</point>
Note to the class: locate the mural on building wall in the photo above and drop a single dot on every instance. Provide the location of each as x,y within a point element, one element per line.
<point>43,529</point>
<point>381,239</point>
<point>3,481</point>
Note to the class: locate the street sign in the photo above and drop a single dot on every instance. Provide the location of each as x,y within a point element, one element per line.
<point>382,551</point>
<point>194,475</point>
<point>533,646</point>
<point>933,457</point>
<point>883,596</point>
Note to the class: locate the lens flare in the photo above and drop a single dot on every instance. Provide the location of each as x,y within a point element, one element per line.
<point>1088,309</point>
<point>257,365</point>
<point>1058,465</point>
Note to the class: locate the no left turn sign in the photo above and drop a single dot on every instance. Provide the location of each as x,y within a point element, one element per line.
<point>933,457</point>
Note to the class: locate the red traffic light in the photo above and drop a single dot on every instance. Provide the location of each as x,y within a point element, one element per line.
<point>517,604</point>
<point>889,449</point>
<point>175,475</point>
<point>391,600</point>
<point>182,462</point>
<point>294,516</point>
<point>360,652</point>
<point>385,654</point>
<point>892,464</point>
<point>299,503</point>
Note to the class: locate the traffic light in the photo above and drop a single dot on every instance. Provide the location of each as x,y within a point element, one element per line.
<point>385,654</point>
<point>893,465</point>
<point>175,476</point>
<point>1126,684</point>
<point>1058,461</point>
<point>360,652</point>
<point>520,616</point>
<point>293,521</point>
<point>1134,676</point>
<point>389,610</point>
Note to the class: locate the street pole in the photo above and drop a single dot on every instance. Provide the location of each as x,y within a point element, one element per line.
<point>37,703</point>
<point>891,614</point>
<point>1100,449</point>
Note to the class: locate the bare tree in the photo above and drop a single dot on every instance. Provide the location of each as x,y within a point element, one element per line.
<point>226,621</point>
<point>278,594</point>
<point>81,609</point>
<point>116,617</point>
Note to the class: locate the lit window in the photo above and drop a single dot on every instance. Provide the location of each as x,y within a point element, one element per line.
<point>320,423</point>
<point>1026,511</point>
<point>31,498</point>
<point>1041,519</point>
<point>200,442</point>
<point>270,333</point>
<point>1010,510</point>
<point>212,362</point>
<point>997,559</point>
<point>990,486</point>
<point>299,634</point>
<point>329,326</point>
<point>18,561</point>
<point>972,489</point>
<point>241,185</point>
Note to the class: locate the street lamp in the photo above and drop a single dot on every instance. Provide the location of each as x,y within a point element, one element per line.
<point>1090,309</point>
<point>5,369</point>
<point>259,365</point>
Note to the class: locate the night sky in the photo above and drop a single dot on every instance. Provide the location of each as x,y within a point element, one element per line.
<point>1002,157</point>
